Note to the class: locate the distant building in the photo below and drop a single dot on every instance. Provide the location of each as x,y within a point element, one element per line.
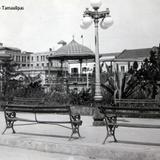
<point>11,52</point>
<point>108,58</point>
<point>125,60</point>
<point>32,63</point>
<point>37,63</point>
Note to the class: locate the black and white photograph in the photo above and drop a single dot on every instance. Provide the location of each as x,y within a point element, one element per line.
<point>79,80</point>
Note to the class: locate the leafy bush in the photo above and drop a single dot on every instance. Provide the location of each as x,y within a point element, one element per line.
<point>84,97</point>
<point>57,95</point>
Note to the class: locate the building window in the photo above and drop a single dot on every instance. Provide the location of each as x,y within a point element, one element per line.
<point>23,65</point>
<point>122,68</point>
<point>42,64</point>
<point>16,58</point>
<point>37,65</point>
<point>37,58</point>
<point>19,58</point>
<point>23,58</point>
<point>42,58</point>
<point>32,58</point>
<point>74,70</point>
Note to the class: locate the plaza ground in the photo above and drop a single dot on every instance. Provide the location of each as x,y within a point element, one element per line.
<point>133,143</point>
<point>10,153</point>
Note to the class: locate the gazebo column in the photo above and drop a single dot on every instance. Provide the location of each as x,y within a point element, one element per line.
<point>80,61</point>
<point>111,66</point>
<point>62,68</point>
<point>49,73</point>
<point>64,77</point>
<point>129,65</point>
<point>65,74</point>
<point>1,82</point>
<point>117,67</point>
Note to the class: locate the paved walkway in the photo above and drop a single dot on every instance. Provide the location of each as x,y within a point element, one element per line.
<point>10,153</point>
<point>134,143</point>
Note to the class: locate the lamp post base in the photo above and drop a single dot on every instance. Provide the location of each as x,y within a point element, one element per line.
<point>98,98</point>
<point>98,123</point>
<point>98,118</point>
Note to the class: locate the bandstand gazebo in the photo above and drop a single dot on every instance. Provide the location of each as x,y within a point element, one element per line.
<point>73,52</point>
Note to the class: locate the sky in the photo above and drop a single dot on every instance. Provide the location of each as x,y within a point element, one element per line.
<point>43,23</point>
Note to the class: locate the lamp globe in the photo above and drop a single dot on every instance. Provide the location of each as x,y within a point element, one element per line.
<point>106,22</point>
<point>96,3</point>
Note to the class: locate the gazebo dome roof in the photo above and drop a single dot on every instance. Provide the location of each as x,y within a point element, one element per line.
<point>73,51</point>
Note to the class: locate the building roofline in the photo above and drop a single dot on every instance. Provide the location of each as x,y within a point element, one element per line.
<point>125,50</point>
<point>10,48</point>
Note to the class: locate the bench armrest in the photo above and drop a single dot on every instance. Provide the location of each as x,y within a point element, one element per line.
<point>76,119</point>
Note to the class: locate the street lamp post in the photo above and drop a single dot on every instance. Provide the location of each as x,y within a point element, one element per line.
<point>105,22</point>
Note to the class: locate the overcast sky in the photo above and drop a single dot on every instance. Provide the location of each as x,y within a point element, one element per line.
<point>43,23</point>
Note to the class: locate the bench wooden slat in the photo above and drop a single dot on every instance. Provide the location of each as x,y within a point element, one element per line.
<point>47,122</point>
<point>138,125</point>
<point>20,119</point>
<point>32,110</point>
<point>136,101</point>
<point>134,114</point>
<point>39,121</point>
<point>35,105</point>
<point>27,100</point>
<point>132,109</point>
<point>14,109</point>
<point>37,109</point>
<point>51,111</point>
<point>21,105</point>
<point>20,100</point>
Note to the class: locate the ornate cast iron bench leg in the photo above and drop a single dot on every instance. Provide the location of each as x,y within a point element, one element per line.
<point>75,130</point>
<point>110,127</point>
<point>9,122</point>
<point>75,125</point>
<point>113,133</point>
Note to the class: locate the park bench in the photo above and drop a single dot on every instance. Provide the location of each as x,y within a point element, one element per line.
<point>36,107</point>
<point>131,107</point>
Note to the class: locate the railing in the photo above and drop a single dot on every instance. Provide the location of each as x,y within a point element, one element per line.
<point>71,79</point>
<point>77,79</point>
<point>42,68</point>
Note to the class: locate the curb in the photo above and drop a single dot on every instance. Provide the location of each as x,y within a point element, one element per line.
<point>94,151</point>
